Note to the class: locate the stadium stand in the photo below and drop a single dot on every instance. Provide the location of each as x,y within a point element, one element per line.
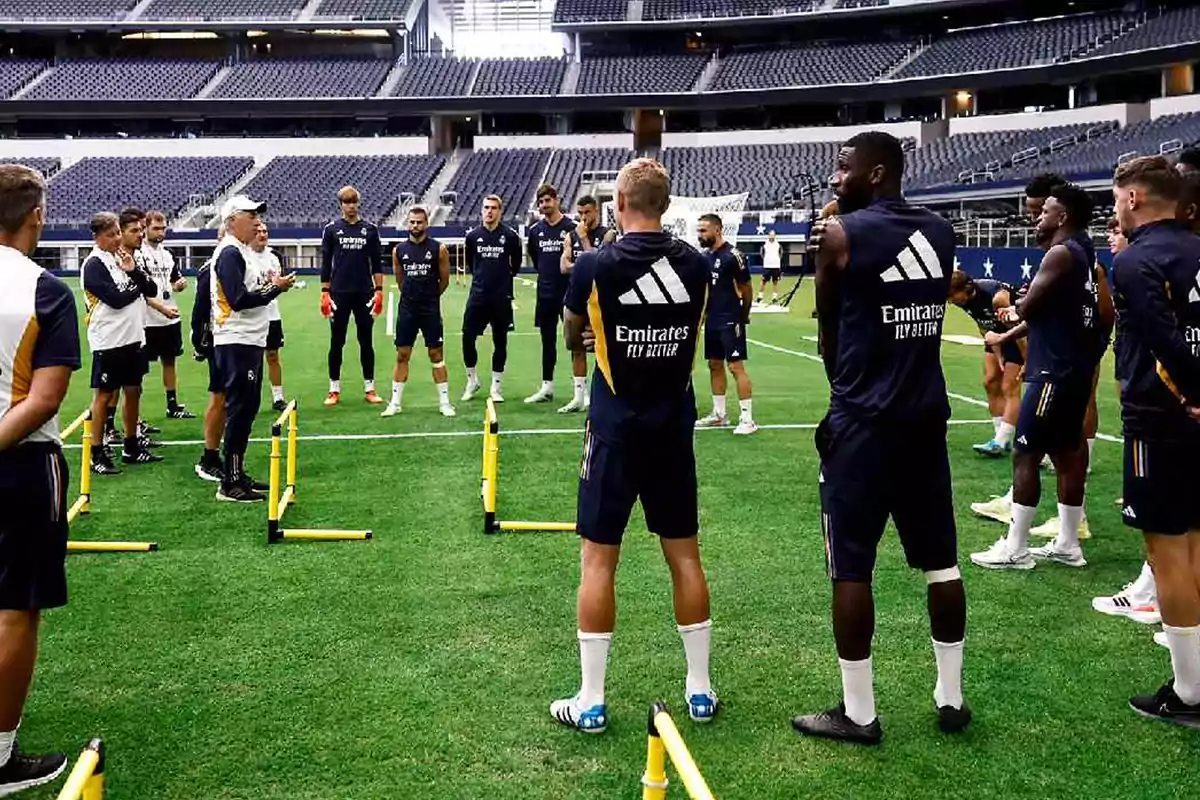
<point>286,78</point>
<point>939,162</point>
<point>170,184</point>
<point>704,9</point>
<point>1016,45</point>
<point>512,174</point>
<point>300,191</point>
<point>767,171</point>
<point>124,81</point>
<point>364,9</point>
<point>46,166</point>
<point>65,9</point>
<point>435,77</point>
<point>808,66</point>
<point>519,76</point>
<point>590,10</point>
<point>1100,154</point>
<point>640,75</point>
<point>16,73</point>
<point>860,3</point>
<point>568,165</point>
<point>223,9</point>
<point>1173,27</point>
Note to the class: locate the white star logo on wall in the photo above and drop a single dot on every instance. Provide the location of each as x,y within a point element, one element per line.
<point>1026,269</point>
<point>987,268</point>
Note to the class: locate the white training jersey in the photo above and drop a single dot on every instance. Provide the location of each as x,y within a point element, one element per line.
<point>109,327</point>
<point>250,324</point>
<point>160,265</point>
<point>772,254</point>
<point>269,261</point>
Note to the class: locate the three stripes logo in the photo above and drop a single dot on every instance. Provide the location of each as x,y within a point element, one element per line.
<point>660,286</point>
<point>1194,294</point>
<point>917,261</point>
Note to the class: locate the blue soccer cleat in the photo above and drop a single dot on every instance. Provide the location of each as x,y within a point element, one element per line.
<point>993,449</point>
<point>702,707</point>
<point>588,720</point>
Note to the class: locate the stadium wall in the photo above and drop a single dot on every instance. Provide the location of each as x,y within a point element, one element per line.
<point>1123,113</point>
<point>922,132</point>
<point>1182,104</point>
<point>71,150</point>
<point>569,142</point>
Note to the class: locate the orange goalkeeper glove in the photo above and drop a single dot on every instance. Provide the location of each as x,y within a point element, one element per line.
<point>327,306</point>
<point>377,303</point>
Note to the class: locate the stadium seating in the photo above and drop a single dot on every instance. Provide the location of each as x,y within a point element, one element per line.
<point>124,81</point>
<point>46,166</point>
<point>939,162</point>
<point>519,76</point>
<point>808,66</point>
<point>364,9</point>
<point>1100,154</point>
<point>590,10</point>
<point>1173,27</point>
<point>301,191</point>
<point>65,9</point>
<point>223,9</point>
<point>640,75</point>
<point>568,165</point>
<point>511,174</point>
<point>279,78</point>
<point>435,77</point>
<point>704,9</point>
<point>1016,45</point>
<point>110,184</point>
<point>860,3</point>
<point>16,73</point>
<point>767,171</point>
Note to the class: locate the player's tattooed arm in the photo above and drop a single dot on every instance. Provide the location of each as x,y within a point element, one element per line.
<point>443,269</point>
<point>831,255</point>
<point>574,326</point>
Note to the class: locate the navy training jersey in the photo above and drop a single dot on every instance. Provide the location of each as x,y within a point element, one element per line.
<point>545,243</point>
<point>729,269</point>
<point>644,297</point>
<point>981,307</point>
<point>595,237</point>
<point>493,257</point>
<point>892,306</point>
<point>351,256</point>
<point>419,263</point>
<point>1156,290</point>
<point>1063,340</point>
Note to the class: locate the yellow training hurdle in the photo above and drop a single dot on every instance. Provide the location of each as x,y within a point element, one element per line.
<point>491,482</point>
<point>279,498</point>
<point>86,781</point>
<point>83,503</point>
<point>665,741</point>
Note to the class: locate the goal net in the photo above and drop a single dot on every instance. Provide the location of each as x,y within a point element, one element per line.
<point>683,214</point>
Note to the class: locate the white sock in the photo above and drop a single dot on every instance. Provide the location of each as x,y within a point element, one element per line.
<point>397,392</point>
<point>1145,587</point>
<point>473,376</point>
<point>719,406</point>
<point>858,690</point>
<point>1008,495</point>
<point>443,390</point>
<point>1091,443</point>
<point>276,393</point>
<point>1069,518</point>
<point>548,387</point>
<point>1005,432</point>
<point>1184,644</point>
<point>697,639</point>
<point>335,387</point>
<point>580,385</point>
<point>774,295</point>
<point>949,657</point>
<point>593,662</point>
<point>744,409</point>
<point>996,423</point>
<point>7,740</point>
<point>1018,529</point>
<point>497,381</point>
<point>759,298</point>
<point>368,385</point>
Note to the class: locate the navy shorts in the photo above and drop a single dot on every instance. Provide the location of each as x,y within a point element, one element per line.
<point>214,375</point>
<point>1162,479</point>
<point>479,316</point>
<point>164,341</point>
<point>1051,417</point>
<point>661,472</point>
<point>548,312</point>
<point>429,323</point>
<point>33,527</point>
<point>725,342</point>
<point>771,274</point>
<point>118,367</point>
<point>1010,353</point>
<point>873,470</point>
<point>275,335</point>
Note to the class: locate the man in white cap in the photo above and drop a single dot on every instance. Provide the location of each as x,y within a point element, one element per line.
<point>241,292</point>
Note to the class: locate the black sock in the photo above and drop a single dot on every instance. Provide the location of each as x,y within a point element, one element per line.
<point>110,419</point>
<point>172,401</point>
<point>131,444</point>
<point>210,457</point>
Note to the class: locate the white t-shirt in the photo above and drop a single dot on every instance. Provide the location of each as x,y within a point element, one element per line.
<point>772,253</point>
<point>160,264</point>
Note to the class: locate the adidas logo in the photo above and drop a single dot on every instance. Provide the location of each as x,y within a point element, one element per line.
<point>917,261</point>
<point>1128,512</point>
<point>659,286</point>
<point>1022,440</point>
<point>735,354</point>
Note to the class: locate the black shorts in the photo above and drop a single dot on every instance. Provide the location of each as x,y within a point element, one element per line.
<point>429,323</point>
<point>1051,417</point>
<point>873,470</point>
<point>164,341</point>
<point>33,527</point>
<point>659,472</point>
<point>239,368</point>
<point>1162,485</point>
<point>725,341</point>
<point>478,316</point>
<point>118,367</point>
<point>771,274</point>
<point>275,335</point>
<point>548,312</point>
<point>1010,353</point>
<point>214,374</point>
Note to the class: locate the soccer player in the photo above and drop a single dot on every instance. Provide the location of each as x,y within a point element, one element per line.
<point>210,467</point>
<point>494,259</point>
<point>725,328</point>
<point>422,268</point>
<point>547,239</point>
<point>39,348</point>
<point>114,287</point>
<point>1002,364</point>
<point>589,234</point>
<point>269,262</point>
<point>1063,352</point>
<point>643,298</point>
<point>883,275</point>
<point>1157,284</point>
<point>241,291</point>
<point>351,284</point>
<point>164,331</point>
<point>772,258</point>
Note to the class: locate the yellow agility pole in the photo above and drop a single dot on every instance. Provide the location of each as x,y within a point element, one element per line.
<point>83,503</point>
<point>491,483</point>
<point>664,740</point>
<point>280,496</point>
<point>86,781</point>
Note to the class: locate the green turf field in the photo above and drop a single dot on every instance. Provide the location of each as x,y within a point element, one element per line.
<point>420,665</point>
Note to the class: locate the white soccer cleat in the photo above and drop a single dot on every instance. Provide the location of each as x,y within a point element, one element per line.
<point>576,404</point>
<point>1001,556</point>
<point>998,508</point>
<point>1049,529</point>
<point>447,410</point>
<point>1125,604</point>
<point>542,395</point>
<point>495,396</point>
<point>588,720</point>
<point>472,389</point>
<point>745,427</point>
<point>392,410</point>
<point>1068,557</point>
<point>712,421</point>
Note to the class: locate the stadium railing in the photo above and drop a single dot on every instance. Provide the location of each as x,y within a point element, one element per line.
<point>665,741</point>
<point>86,781</point>
<point>490,486</point>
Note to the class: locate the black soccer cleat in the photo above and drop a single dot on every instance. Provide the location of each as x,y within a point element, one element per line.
<point>279,405</point>
<point>113,437</point>
<point>213,473</point>
<point>24,771</point>
<point>140,456</point>
<point>180,412</point>
<point>102,464</point>
<point>146,443</point>
<point>953,720</point>
<point>257,486</point>
<point>1166,705</point>
<point>834,724</point>
<point>239,493</point>
<point>145,428</point>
